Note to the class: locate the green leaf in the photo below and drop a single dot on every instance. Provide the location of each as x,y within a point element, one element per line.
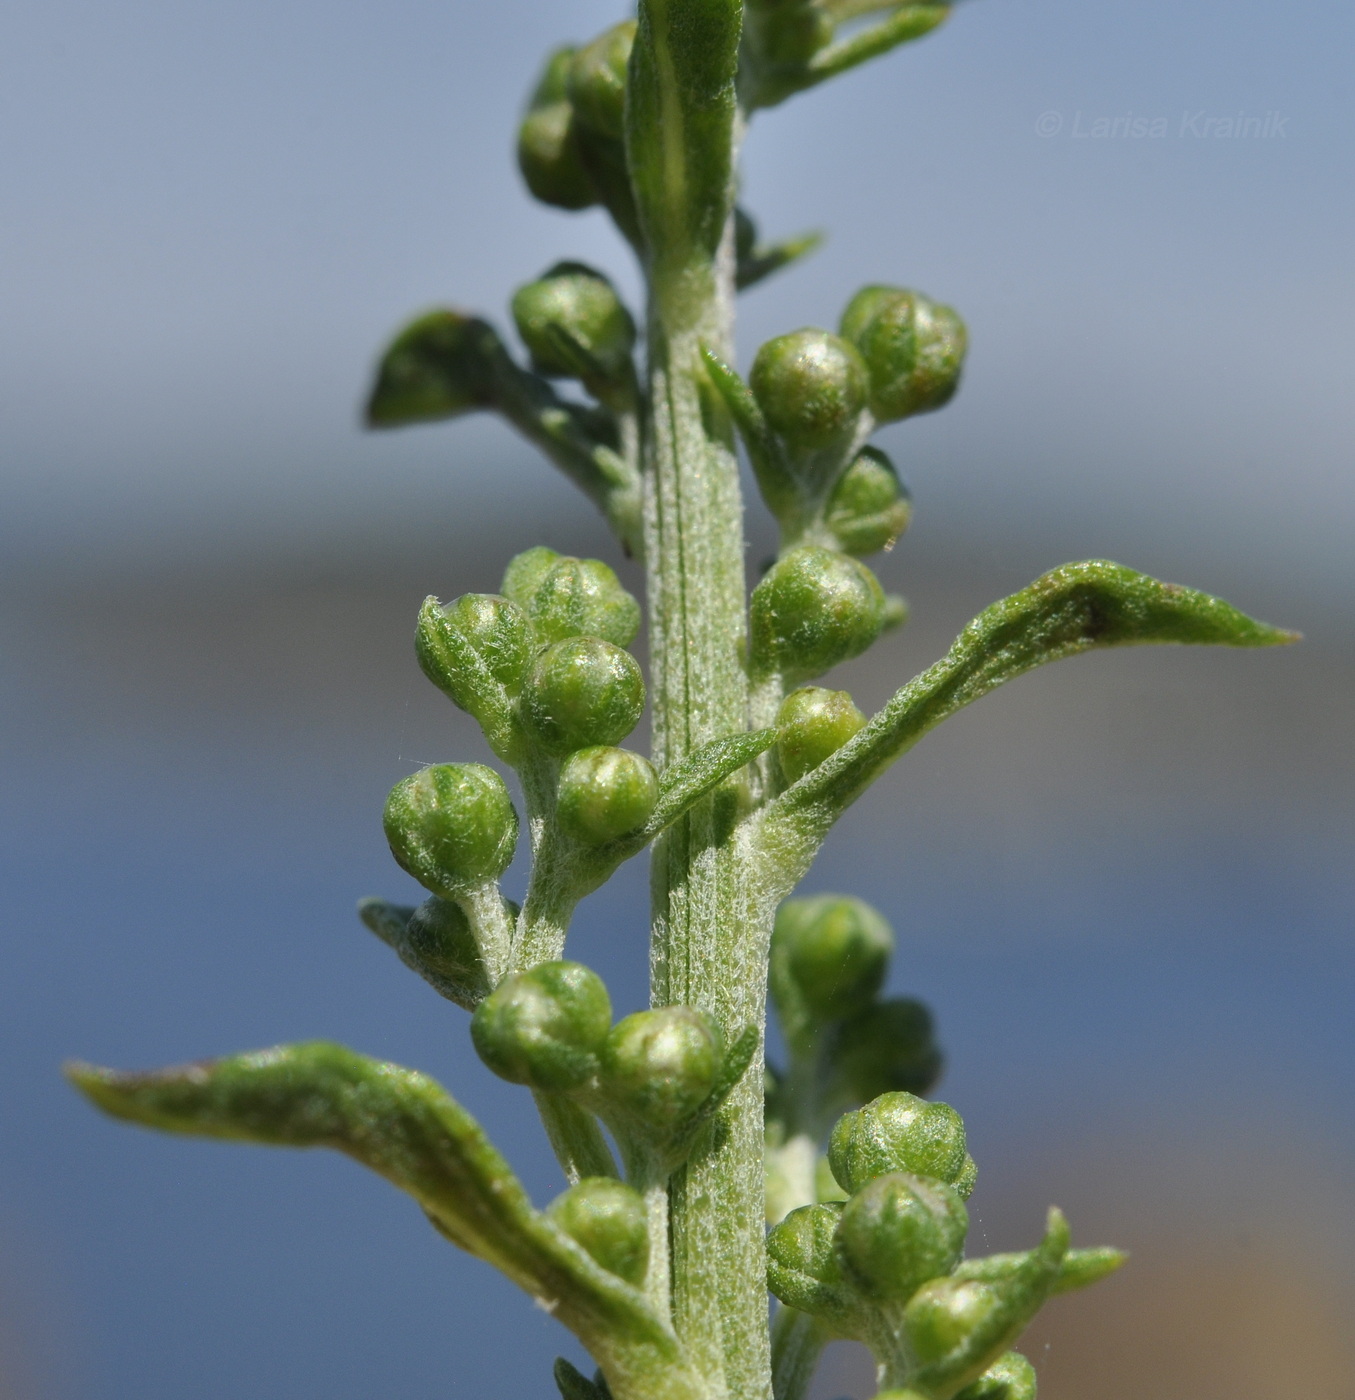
<point>680,114</point>
<point>1075,608</point>
<point>683,784</point>
<point>775,483</point>
<point>408,1129</point>
<point>574,1385</point>
<point>436,941</point>
<point>767,258</point>
<point>451,661</point>
<point>957,1328</point>
<point>1080,1268</point>
<point>777,69</point>
<point>906,23</point>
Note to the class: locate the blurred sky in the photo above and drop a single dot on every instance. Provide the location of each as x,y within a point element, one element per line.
<point>1125,886</point>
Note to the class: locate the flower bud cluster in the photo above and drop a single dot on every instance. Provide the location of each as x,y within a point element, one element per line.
<point>813,398</point>
<point>885,1265</point>
<point>571,142</point>
<point>653,1077</point>
<point>829,959</point>
<point>543,668</point>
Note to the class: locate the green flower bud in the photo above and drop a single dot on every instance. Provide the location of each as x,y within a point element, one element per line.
<point>582,691</point>
<point>802,1265</point>
<point>604,793</point>
<point>887,1046</point>
<point>567,597</point>
<point>496,629</point>
<point>524,573</point>
<point>944,1313</point>
<point>659,1067</point>
<point>829,956</point>
<point>597,80</point>
<point>1010,1377</point>
<point>451,826</point>
<point>898,1232</point>
<point>544,1027</point>
<point>572,314</point>
<point>814,609</point>
<point>812,724</point>
<point>899,1133</point>
<point>439,366</point>
<point>548,148</point>
<point>869,507</point>
<point>811,387</point>
<point>608,1219</point>
<point>914,349</point>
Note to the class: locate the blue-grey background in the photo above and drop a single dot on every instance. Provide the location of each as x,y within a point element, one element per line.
<point>1124,884</point>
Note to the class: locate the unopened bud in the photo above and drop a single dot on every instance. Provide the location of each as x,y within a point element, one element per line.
<point>497,630</point>
<point>571,314</point>
<point>524,573</point>
<point>604,793</point>
<point>887,1046</point>
<point>944,1313</point>
<point>597,80</point>
<point>914,349</point>
<point>829,954</point>
<point>607,1218</point>
<point>802,1264</point>
<point>548,151</point>
<point>582,692</point>
<point>660,1066</point>
<point>898,1232</point>
<point>1010,1377</point>
<point>812,724</point>
<point>869,507</point>
<point>811,387</point>
<point>900,1133</point>
<point>438,366</point>
<point>568,597</point>
<point>814,609</point>
<point>544,1027</point>
<point>451,826</point>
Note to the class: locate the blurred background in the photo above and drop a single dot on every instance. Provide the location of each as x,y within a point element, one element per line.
<point>1124,884</point>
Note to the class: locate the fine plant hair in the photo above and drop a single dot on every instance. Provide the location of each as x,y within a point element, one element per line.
<point>697,1176</point>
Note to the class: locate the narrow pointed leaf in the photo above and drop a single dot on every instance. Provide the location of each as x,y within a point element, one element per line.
<point>1080,1268</point>
<point>772,257</point>
<point>732,1068</point>
<point>908,22</point>
<point>685,783</point>
<point>573,1384</point>
<point>1075,608</point>
<point>408,1129</point>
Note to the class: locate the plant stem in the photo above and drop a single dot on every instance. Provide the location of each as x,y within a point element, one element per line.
<point>699,957</point>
